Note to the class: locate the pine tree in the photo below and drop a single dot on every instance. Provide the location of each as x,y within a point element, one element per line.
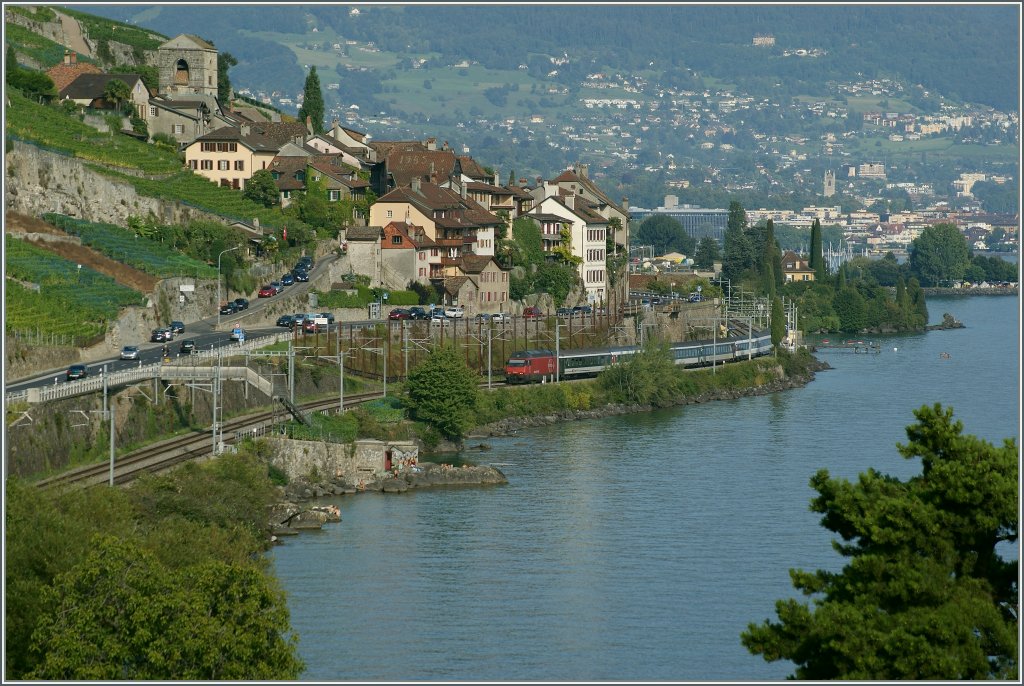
<point>778,321</point>
<point>225,61</point>
<point>313,102</point>
<point>771,257</point>
<point>817,261</point>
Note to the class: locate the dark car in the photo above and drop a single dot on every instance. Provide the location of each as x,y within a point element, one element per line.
<point>266,292</point>
<point>241,304</point>
<point>300,275</point>
<point>532,312</point>
<point>563,312</point>
<point>285,320</point>
<point>229,308</point>
<point>178,327</point>
<point>582,309</point>
<point>187,346</point>
<point>305,262</point>
<point>287,280</point>
<point>77,371</point>
<point>418,313</point>
<point>160,335</point>
<point>399,313</point>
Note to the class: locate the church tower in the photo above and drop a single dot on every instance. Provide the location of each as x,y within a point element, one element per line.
<point>830,184</point>
<point>187,65</point>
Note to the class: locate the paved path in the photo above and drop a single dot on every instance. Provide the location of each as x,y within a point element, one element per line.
<point>73,35</point>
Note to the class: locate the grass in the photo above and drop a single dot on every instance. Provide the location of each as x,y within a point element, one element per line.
<point>70,300</point>
<point>44,51</point>
<point>51,128</point>
<point>99,28</point>
<point>124,246</point>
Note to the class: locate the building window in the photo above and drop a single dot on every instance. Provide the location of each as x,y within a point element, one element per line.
<point>286,194</point>
<point>235,184</point>
<point>226,183</point>
<point>207,164</point>
<point>223,165</point>
<point>390,214</point>
<point>334,196</point>
<point>396,240</point>
<point>152,110</point>
<point>178,129</point>
<point>193,165</point>
<point>239,165</point>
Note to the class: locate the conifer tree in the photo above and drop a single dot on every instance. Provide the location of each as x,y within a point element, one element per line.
<point>313,102</point>
<point>817,260</point>
<point>778,321</point>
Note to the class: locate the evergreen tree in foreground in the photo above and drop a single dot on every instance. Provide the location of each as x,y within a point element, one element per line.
<point>313,102</point>
<point>817,260</point>
<point>925,593</point>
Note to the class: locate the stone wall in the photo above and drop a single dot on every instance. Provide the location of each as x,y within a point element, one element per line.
<point>363,459</point>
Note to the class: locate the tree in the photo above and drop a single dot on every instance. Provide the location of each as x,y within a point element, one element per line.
<point>939,254</point>
<point>261,188</point>
<point>778,321</point>
<point>225,61</point>
<point>664,234</point>
<point>849,307</point>
<point>817,260</point>
<point>647,377</point>
<point>707,253</point>
<point>925,594</point>
<point>739,252</point>
<point>313,102</point>
<point>33,84</point>
<point>442,391</point>
<point>117,93</point>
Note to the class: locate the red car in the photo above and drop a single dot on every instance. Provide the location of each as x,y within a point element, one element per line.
<point>267,292</point>
<point>532,312</point>
<point>399,313</point>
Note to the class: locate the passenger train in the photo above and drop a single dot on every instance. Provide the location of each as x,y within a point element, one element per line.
<point>527,366</point>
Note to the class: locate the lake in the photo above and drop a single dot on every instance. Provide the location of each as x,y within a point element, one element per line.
<point>635,547</point>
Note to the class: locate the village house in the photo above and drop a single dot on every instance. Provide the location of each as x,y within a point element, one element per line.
<point>579,183</point>
<point>408,254</point>
<point>89,89</point>
<point>795,268</point>
<point>230,155</point>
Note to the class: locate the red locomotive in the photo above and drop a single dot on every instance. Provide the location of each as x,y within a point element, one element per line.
<point>527,366</point>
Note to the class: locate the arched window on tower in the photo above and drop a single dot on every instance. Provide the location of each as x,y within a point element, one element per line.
<point>181,73</point>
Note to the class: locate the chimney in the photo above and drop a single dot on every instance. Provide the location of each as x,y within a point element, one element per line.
<point>416,184</point>
<point>243,130</point>
<point>625,204</point>
<point>570,201</point>
<point>70,57</point>
<point>584,170</point>
<point>431,144</point>
<point>256,222</point>
<point>462,190</point>
<point>336,129</point>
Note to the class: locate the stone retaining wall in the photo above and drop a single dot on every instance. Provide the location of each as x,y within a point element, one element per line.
<point>321,460</point>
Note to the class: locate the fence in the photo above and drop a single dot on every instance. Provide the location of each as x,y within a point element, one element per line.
<point>40,338</point>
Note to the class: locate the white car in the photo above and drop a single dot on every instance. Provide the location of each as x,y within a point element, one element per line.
<point>238,334</point>
<point>501,317</point>
<point>453,312</point>
<point>130,352</point>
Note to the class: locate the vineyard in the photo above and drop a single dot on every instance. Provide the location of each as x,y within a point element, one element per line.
<point>69,300</point>
<point>51,128</point>
<point>43,50</point>
<point>203,194</point>
<point>129,248</point>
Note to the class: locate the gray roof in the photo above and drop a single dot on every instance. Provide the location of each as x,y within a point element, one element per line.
<point>92,85</point>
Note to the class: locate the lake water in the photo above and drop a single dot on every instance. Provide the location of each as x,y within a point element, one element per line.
<point>638,547</point>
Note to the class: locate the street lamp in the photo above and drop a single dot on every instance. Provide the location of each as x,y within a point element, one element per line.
<point>218,280</point>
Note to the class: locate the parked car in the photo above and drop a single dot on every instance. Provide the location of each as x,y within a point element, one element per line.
<point>187,346</point>
<point>177,327</point>
<point>285,320</point>
<point>532,312</point>
<point>453,311</point>
<point>300,275</point>
<point>482,317</point>
<point>130,352</point>
<point>582,310</point>
<point>309,325</point>
<point>77,371</point>
<point>266,292</point>
<point>501,317</point>
<point>438,318</point>
<point>229,308</point>
<point>563,312</point>
<point>306,262</point>
<point>276,285</point>
<point>238,334</point>
<point>287,279</point>
<point>399,313</point>
<point>418,313</point>
<point>241,304</point>
<point>695,297</point>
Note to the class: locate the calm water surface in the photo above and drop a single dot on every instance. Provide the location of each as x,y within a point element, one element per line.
<point>632,548</point>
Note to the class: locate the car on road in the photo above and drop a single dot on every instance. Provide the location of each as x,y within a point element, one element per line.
<point>437,318</point>
<point>161,335</point>
<point>482,317</point>
<point>285,320</point>
<point>238,334</point>
<point>241,304</point>
<point>177,327</point>
<point>418,313</point>
<point>305,263</point>
<point>287,280</point>
<point>266,292</point>
<point>130,352</point>
<point>563,312</point>
<point>532,312</point>
<point>300,275</point>
<point>187,346</point>
<point>582,310</point>
<point>276,285</point>
<point>229,308</point>
<point>501,317</point>
<point>77,371</point>
<point>454,312</point>
<point>399,313</point>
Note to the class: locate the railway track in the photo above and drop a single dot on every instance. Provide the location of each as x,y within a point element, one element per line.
<point>165,454</point>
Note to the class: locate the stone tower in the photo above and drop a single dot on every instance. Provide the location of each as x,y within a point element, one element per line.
<point>830,184</point>
<point>187,64</point>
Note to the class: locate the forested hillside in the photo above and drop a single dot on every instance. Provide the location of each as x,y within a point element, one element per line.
<point>948,49</point>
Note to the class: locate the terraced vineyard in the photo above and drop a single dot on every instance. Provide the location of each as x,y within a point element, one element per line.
<point>136,251</point>
<point>69,300</point>
<point>51,128</point>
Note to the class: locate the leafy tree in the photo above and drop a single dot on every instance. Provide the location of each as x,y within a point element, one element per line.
<point>707,253</point>
<point>33,84</point>
<point>313,102</point>
<point>564,248</point>
<point>557,280</point>
<point>117,93</point>
<point>925,594</point>
<point>647,377</point>
<point>442,391</point>
<point>225,61</point>
<point>261,188</point>
<point>849,307</point>
<point>939,254</point>
<point>664,235</point>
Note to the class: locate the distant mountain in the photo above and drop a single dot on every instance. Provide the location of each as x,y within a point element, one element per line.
<point>950,49</point>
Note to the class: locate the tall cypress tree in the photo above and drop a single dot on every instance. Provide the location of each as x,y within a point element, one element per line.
<point>313,102</point>
<point>817,260</point>
<point>771,256</point>
<point>778,321</point>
